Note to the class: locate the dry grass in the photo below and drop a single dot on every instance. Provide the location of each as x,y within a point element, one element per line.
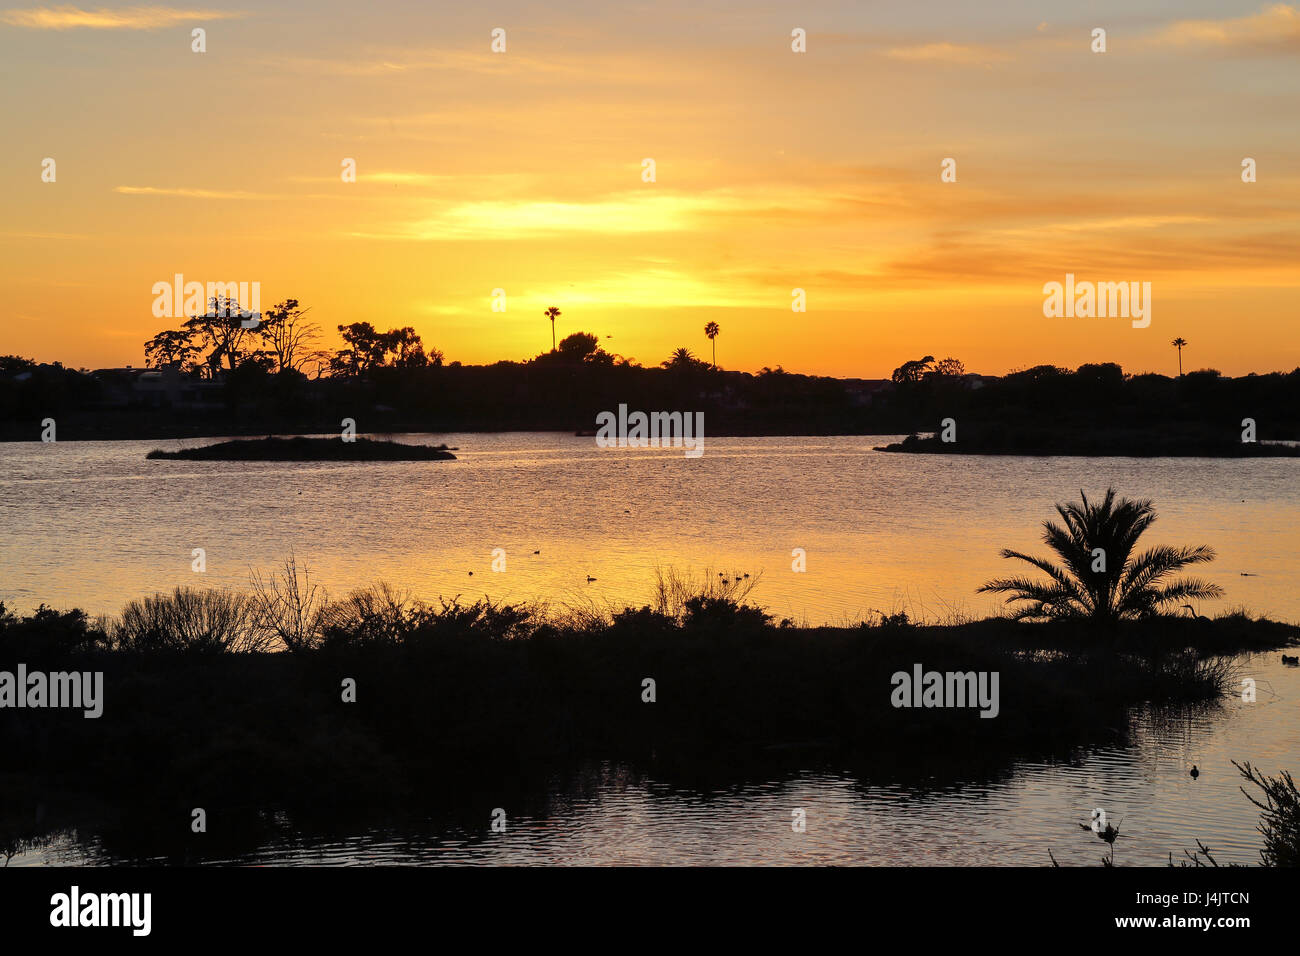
<point>675,589</point>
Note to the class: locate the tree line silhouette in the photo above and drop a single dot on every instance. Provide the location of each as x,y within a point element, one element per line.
<point>274,374</point>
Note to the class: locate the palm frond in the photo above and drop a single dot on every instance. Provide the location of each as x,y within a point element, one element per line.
<point>1128,587</point>
<point>1194,588</point>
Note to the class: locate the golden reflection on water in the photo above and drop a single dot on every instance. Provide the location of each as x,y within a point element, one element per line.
<point>94,524</point>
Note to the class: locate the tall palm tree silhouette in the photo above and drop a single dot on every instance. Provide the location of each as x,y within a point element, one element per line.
<point>711,330</point>
<point>1100,578</point>
<point>1178,343</point>
<point>551,314</point>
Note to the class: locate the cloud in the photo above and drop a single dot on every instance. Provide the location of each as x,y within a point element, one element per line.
<point>396,61</point>
<point>966,259</point>
<point>381,176</point>
<point>624,213</point>
<point>494,219</point>
<point>1277,26</point>
<point>128,18</point>
<point>402,179</point>
<point>42,235</point>
<point>191,193</point>
<point>947,53</point>
<point>1111,224</point>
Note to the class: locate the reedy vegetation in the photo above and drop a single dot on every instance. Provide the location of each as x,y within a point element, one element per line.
<point>447,689</point>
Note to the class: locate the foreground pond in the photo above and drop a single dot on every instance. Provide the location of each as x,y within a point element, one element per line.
<point>611,813</point>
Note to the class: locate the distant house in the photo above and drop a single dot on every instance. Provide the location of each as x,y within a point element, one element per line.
<point>115,385</point>
<point>726,398</point>
<point>863,392</point>
<point>166,387</point>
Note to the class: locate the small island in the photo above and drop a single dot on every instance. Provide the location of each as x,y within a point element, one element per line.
<point>1170,442</point>
<point>308,449</point>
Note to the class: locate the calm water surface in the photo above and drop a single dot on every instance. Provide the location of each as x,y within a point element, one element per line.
<point>612,814</point>
<point>94,524</point>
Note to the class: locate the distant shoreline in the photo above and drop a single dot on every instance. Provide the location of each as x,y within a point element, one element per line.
<point>72,435</point>
<point>1038,443</point>
<point>1044,409</point>
<point>1021,443</point>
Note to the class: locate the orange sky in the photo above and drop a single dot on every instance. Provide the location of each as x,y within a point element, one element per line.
<point>775,170</point>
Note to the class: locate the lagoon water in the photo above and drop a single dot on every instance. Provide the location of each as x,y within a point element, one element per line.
<point>95,524</point>
<point>614,814</point>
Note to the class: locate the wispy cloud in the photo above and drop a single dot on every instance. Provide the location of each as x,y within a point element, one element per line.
<point>948,53</point>
<point>966,259</point>
<point>615,214</point>
<point>397,61</point>
<point>382,176</point>
<point>1276,26</point>
<point>652,287</point>
<point>127,18</point>
<point>492,219</point>
<point>1111,225</point>
<point>42,235</point>
<point>192,193</point>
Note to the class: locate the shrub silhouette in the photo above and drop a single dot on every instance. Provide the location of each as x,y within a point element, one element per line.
<point>1280,820</point>
<point>1126,586</point>
<point>190,620</point>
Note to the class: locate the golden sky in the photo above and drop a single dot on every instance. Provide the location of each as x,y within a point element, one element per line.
<point>522,170</point>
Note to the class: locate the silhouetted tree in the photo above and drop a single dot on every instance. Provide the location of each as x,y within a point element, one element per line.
<point>169,347</point>
<point>711,330</point>
<point>949,368</point>
<point>914,371</point>
<point>369,349</point>
<point>683,360</point>
<point>286,337</point>
<point>552,313</point>
<point>408,349</point>
<point>1099,577</point>
<point>365,349</point>
<point>220,332</point>
<point>1178,343</point>
<point>578,346</point>
<point>14,365</point>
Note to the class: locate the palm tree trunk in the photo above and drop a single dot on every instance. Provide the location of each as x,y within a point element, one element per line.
<point>553,338</point>
<point>715,353</point>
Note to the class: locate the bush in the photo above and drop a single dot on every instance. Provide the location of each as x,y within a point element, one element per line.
<point>1280,820</point>
<point>189,620</point>
<point>370,617</point>
<point>290,606</point>
<point>47,632</point>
